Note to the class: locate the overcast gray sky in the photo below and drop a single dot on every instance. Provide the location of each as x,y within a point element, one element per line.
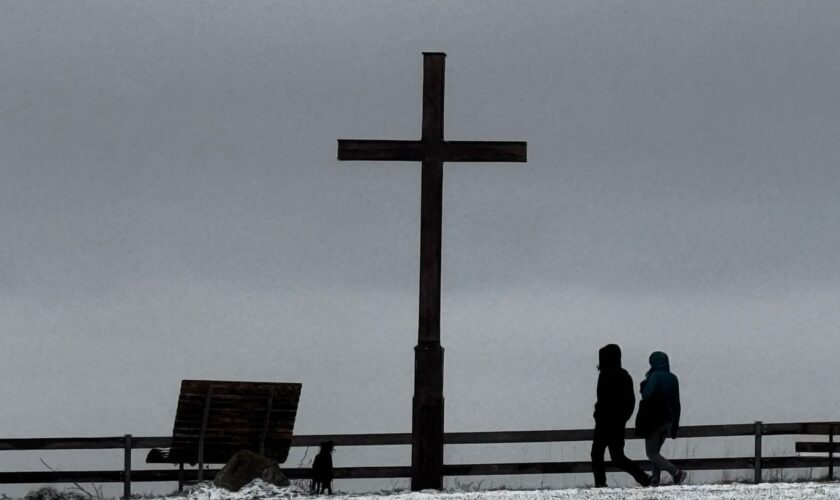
<point>171,207</point>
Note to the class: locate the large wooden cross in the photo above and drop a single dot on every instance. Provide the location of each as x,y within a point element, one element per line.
<point>432,150</point>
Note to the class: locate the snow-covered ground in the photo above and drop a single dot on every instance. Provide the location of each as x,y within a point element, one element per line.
<point>259,490</point>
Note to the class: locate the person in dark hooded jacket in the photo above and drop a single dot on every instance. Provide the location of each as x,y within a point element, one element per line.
<point>659,414</point>
<point>614,406</point>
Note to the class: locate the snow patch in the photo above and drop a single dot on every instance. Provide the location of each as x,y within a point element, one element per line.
<point>260,490</point>
<point>255,490</point>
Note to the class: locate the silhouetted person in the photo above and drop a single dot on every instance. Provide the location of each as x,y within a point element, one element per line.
<point>616,400</point>
<point>660,417</point>
<point>322,469</point>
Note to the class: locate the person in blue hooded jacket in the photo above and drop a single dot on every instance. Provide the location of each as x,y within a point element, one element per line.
<point>659,414</point>
<point>614,406</point>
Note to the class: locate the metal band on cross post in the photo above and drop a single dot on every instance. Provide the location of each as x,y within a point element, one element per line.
<point>432,150</point>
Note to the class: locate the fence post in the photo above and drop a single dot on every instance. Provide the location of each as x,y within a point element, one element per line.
<point>127,469</point>
<point>757,471</point>
<point>180,477</point>
<point>831,453</point>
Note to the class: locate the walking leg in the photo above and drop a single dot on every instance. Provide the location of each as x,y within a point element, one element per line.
<point>599,445</point>
<point>653,445</point>
<point>616,447</point>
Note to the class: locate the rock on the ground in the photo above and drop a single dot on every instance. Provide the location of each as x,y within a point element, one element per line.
<point>245,466</point>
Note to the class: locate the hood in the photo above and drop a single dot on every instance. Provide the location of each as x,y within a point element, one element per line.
<point>659,362</point>
<point>609,357</point>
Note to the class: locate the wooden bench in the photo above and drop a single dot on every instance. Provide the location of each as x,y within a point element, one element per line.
<point>215,419</point>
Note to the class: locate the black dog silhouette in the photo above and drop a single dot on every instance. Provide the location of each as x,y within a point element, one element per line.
<point>322,469</point>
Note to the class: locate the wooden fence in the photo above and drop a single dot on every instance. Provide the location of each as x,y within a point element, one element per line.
<point>127,475</point>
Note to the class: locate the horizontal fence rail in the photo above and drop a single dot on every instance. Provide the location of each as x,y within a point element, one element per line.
<point>93,443</point>
<point>129,443</point>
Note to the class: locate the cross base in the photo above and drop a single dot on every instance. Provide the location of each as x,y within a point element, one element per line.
<point>427,418</point>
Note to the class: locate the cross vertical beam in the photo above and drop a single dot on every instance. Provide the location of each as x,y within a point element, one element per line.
<point>432,150</point>
<point>431,201</point>
<point>427,404</point>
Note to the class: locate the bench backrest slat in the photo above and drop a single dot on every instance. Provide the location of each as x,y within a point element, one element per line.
<point>238,415</point>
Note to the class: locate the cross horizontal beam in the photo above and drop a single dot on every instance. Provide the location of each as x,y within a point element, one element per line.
<point>445,151</point>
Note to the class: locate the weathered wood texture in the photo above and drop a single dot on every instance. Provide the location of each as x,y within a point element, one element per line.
<point>223,417</point>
